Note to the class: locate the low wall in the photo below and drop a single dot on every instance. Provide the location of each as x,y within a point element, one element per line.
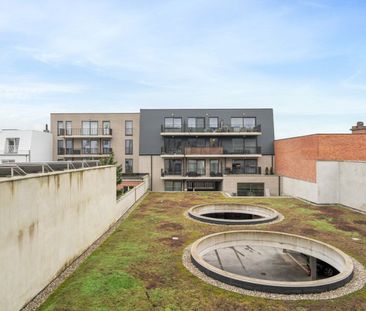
<point>300,188</point>
<point>337,182</point>
<point>48,220</point>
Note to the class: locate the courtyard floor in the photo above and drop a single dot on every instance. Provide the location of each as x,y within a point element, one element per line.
<point>139,267</point>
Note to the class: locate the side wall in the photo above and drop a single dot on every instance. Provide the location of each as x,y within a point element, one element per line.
<point>48,220</point>
<point>299,188</point>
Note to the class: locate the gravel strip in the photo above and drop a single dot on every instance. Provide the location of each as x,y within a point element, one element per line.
<point>41,297</point>
<point>357,282</point>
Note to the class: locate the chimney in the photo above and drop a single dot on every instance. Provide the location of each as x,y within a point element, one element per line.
<point>359,128</point>
<point>46,129</point>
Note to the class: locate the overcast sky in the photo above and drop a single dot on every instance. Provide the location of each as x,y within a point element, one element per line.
<point>306,59</point>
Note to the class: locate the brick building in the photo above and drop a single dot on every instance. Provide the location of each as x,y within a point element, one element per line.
<point>308,164</point>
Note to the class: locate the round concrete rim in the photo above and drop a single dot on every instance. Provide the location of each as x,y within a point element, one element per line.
<point>342,262</point>
<point>267,214</point>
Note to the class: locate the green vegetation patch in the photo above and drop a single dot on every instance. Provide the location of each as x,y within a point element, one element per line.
<point>139,267</point>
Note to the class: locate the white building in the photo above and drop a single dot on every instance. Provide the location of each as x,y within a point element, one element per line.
<point>25,146</point>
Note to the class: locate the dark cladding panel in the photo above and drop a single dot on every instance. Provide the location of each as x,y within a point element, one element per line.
<point>151,121</point>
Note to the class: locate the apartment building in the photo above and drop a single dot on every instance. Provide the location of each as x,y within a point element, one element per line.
<point>324,168</point>
<point>25,146</point>
<point>229,150</point>
<point>91,136</point>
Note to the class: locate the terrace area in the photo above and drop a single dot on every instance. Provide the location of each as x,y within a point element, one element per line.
<point>139,267</point>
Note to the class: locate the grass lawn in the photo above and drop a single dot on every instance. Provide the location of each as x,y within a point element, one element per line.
<point>139,267</point>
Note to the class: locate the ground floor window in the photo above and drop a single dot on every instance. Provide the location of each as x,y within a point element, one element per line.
<point>250,189</point>
<point>129,166</point>
<point>173,185</point>
<point>202,185</point>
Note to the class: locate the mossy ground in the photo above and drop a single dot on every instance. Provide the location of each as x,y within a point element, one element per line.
<point>139,267</point>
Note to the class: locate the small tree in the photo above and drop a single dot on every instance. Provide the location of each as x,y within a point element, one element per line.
<point>110,161</point>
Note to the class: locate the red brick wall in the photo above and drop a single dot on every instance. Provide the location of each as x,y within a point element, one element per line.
<point>296,157</point>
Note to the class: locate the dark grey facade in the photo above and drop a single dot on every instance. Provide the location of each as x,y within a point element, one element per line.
<point>152,124</point>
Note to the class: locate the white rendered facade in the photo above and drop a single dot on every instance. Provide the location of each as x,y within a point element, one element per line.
<point>25,146</point>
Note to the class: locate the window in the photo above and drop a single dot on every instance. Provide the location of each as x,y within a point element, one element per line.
<point>128,146</point>
<point>250,145</point>
<point>173,185</point>
<point>69,146</point>
<point>89,127</point>
<point>238,123</point>
<point>60,147</point>
<point>107,128</point>
<point>249,123</point>
<point>173,123</point>
<point>248,166</point>
<point>213,122</point>
<point>238,145</point>
<point>107,146</point>
<point>68,128</point>
<point>196,168</point>
<point>128,128</point>
<point>173,167</point>
<point>90,146</point>
<point>173,145</point>
<point>250,189</point>
<point>12,145</point>
<point>196,123</point>
<point>129,166</point>
<point>214,167</point>
<point>60,128</point>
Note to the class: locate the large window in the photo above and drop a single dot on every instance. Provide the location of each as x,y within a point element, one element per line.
<point>129,166</point>
<point>12,145</point>
<point>196,123</point>
<point>196,168</point>
<point>173,123</point>
<point>214,168</point>
<point>107,146</point>
<point>251,145</point>
<point>128,128</point>
<point>107,128</point>
<point>128,146</point>
<point>173,185</point>
<point>173,167</point>
<point>238,145</point>
<point>250,189</point>
<point>213,122</point>
<point>173,145</point>
<point>248,166</point>
<point>239,123</point>
<point>60,147</point>
<point>89,127</point>
<point>68,128</point>
<point>69,146</point>
<point>90,146</point>
<point>60,128</point>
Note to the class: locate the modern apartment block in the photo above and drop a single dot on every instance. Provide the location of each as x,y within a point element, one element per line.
<point>78,136</point>
<point>181,149</point>
<point>229,150</point>
<point>25,146</point>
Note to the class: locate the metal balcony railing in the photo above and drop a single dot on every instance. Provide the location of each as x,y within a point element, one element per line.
<point>244,170</point>
<point>221,129</point>
<point>209,150</point>
<point>85,132</point>
<point>93,151</point>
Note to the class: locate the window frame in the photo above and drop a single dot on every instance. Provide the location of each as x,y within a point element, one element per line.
<point>127,129</point>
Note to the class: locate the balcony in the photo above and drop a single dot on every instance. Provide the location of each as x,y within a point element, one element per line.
<point>244,171</point>
<point>209,131</point>
<point>85,132</point>
<point>84,152</point>
<point>210,152</point>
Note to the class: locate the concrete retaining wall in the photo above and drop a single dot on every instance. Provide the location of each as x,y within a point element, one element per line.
<point>48,220</point>
<point>337,182</point>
